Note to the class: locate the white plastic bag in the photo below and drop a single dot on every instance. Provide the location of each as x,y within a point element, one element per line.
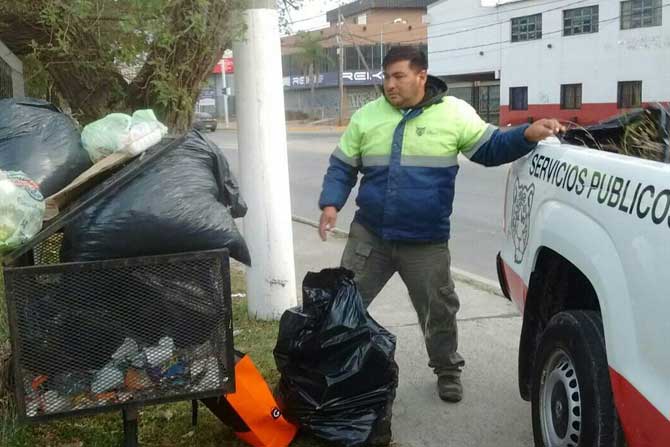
<point>21,210</point>
<point>119,132</point>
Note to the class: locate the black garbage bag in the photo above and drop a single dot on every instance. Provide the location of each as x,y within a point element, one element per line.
<point>186,201</point>
<point>41,141</point>
<point>338,372</point>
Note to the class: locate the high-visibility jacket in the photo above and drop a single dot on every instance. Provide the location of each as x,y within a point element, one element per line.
<point>409,162</point>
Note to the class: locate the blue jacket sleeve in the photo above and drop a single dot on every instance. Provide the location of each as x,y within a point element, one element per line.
<point>337,183</point>
<point>502,147</point>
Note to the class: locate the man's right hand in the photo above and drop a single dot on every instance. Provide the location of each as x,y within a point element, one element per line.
<point>327,221</point>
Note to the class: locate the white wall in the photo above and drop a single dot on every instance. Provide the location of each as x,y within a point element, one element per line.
<point>597,61</point>
<point>453,17</point>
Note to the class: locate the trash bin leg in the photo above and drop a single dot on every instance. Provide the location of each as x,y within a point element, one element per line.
<point>194,413</point>
<point>130,427</point>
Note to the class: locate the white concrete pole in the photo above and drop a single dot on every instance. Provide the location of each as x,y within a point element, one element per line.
<point>224,85</point>
<point>264,179</point>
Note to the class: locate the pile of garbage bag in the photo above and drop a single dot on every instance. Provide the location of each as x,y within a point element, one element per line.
<point>186,201</point>
<point>338,372</point>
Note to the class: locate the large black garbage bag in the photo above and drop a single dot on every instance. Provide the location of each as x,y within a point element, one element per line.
<point>41,141</point>
<point>185,201</point>
<point>338,372</point>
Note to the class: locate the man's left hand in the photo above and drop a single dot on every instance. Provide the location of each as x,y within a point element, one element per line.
<point>542,129</point>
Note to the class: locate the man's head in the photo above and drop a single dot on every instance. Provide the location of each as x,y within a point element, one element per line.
<point>405,75</point>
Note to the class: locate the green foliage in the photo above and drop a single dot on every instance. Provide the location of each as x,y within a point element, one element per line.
<point>118,55</point>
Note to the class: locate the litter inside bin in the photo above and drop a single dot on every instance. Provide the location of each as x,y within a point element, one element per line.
<point>185,370</point>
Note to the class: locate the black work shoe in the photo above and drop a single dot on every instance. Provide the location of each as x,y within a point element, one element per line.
<point>450,388</point>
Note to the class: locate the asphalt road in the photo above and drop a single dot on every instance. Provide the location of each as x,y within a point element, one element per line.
<point>476,234</point>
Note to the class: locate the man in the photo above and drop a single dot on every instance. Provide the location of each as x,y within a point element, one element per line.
<point>406,145</point>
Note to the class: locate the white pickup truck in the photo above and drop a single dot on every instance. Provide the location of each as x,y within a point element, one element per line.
<point>586,258</point>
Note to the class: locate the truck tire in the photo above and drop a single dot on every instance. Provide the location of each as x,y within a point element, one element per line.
<point>571,400</point>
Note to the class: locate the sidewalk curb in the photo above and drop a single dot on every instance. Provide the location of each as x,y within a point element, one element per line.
<point>460,275</point>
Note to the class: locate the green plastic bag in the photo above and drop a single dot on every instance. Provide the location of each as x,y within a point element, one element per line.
<point>120,132</point>
<point>21,210</point>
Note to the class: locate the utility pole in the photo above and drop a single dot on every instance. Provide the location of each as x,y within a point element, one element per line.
<point>341,63</point>
<point>361,57</point>
<point>225,92</point>
<point>264,180</point>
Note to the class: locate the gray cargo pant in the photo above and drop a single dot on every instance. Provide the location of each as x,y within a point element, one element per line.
<point>425,270</point>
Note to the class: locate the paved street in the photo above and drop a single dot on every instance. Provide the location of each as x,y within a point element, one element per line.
<point>476,223</point>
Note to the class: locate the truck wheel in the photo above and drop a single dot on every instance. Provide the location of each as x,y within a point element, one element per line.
<point>572,401</point>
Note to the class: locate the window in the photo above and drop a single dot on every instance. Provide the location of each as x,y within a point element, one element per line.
<point>641,13</point>
<point>361,19</point>
<point>6,88</point>
<point>571,96</point>
<point>580,21</point>
<point>527,28</point>
<point>630,94</point>
<point>328,61</point>
<point>351,61</point>
<point>518,98</point>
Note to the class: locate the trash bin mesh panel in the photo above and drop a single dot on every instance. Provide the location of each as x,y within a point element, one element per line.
<point>98,334</point>
<point>48,252</point>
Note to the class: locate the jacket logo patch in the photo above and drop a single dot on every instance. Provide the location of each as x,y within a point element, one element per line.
<point>522,204</point>
<point>420,131</point>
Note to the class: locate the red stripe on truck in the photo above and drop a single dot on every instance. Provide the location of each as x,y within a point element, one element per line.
<point>643,424</point>
<point>518,289</point>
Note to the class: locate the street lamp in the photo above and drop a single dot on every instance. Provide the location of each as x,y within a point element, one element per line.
<point>381,37</point>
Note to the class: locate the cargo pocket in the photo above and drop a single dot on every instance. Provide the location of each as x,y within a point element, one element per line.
<point>356,259</point>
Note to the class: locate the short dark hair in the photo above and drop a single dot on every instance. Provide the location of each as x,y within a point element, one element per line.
<point>417,58</point>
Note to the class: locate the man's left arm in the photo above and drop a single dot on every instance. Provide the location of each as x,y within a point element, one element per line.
<point>489,146</point>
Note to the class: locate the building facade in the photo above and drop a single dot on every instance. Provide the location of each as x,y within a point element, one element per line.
<point>219,88</point>
<point>370,27</point>
<point>11,74</point>
<point>580,61</point>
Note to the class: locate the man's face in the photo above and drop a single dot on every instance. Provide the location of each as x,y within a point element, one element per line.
<point>403,86</point>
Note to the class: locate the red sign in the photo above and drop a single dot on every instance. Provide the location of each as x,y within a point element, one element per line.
<point>227,63</point>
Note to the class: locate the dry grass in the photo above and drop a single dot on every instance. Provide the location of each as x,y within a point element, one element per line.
<point>638,136</point>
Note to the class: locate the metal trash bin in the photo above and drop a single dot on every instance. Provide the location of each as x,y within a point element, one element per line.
<point>96,336</point>
<point>92,337</point>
